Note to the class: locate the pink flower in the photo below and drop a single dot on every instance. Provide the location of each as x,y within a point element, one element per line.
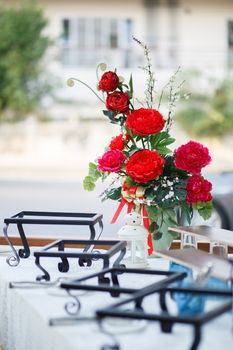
<point>192,157</point>
<point>111,161</point>
<point>198,189</point>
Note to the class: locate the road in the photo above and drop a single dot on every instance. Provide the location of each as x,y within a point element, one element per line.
<point>54,196</point>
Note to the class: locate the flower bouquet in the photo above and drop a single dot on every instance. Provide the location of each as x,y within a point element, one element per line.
<point>151,178</point>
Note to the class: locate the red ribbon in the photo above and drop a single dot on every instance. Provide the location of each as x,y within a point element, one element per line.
<point>146,224</point>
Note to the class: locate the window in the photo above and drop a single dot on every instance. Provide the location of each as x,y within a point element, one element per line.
<point>87,41</point>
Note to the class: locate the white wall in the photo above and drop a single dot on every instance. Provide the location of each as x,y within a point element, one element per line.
<point>203,33</point>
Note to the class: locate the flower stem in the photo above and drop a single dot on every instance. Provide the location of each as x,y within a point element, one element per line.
<point>80,81</point>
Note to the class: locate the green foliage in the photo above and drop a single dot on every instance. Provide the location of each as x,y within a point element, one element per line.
<point>129,182</point>
<point>204,209</point>
<point>93,175</point>
<point>160,220</point>
<point>209,115</point>
<point>160,141</point>
<point>113,193</point>
<point>187,211</point>
<point>162,238</point>
<point>22,46</point>
<point>88,183</point>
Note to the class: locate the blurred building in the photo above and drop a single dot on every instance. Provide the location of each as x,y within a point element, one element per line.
<point>193,33</point>
<point>187,33</point>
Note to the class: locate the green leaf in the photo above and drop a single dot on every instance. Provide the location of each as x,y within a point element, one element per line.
<point>110,115</point>
<point>157,138</point>
<point>93,171</point>
<point>88,183</point>
<point>163,150</point>
<point>157,235</point>
<point>114,194</point>
<point>129,182</point>
<point>163,242</point>
<point>204,209</point>
<point>153,212</point>
<point>131,86</point>
<point>169,217</point>
<point>187,211</point>
<point>153,226</point>
<point>167,141</point>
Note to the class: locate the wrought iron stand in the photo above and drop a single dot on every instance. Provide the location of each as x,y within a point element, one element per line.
<point>46,218</point>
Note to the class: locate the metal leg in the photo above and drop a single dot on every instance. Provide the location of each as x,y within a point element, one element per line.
<point>46,275</point>
<point>115,283</point>
<point>88,248</point>
<point>138,305</point>
<point>25,251</point>
<point>63,266</point>
<point>197,337</point>
<point>105,263</point>
<point>14,259</point>
<point>120,258</point>
<point>115,345</point>
<point>162,301</point>
<point>103,280</point>
<point>166,326</point>
<point>72,307</point>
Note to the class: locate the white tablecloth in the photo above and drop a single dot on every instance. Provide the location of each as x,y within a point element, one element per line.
<point>25,314</point>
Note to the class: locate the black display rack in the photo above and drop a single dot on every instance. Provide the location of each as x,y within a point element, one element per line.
<point>166,319</point>
<point>85,257</point>
<point>46,218</point>
<point>108,282</point>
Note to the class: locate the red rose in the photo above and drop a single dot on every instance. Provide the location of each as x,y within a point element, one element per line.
<point>192,157</point>
<point>145,166</point>
<point>145,121</point>
<point>109,82</point>
<point>111,161</point>
<point>118,102</point>
<point>198,189</point>
<point>119,142</point>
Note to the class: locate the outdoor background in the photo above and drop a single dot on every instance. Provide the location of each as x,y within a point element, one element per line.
<point>49,131</point>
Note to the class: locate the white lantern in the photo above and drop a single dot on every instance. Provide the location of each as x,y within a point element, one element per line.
<point>136,235</point>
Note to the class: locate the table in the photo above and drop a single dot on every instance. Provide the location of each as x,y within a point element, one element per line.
<point>25,314</point>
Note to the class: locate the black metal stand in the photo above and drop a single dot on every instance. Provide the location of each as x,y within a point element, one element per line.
<point>85,257</point>
<point>46,218</point>
<point>167,320</point>
<point>108,282</point>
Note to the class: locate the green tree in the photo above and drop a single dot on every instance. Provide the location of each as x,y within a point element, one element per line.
<point>22,46</point>
<point>209,114</point>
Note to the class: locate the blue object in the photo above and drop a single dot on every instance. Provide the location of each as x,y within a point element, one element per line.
<point>187,304</point>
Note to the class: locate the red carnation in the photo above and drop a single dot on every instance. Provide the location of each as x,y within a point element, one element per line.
<point>119,142</point>
<point>109,82</point>
<point>118,102</point>
<point>145,166</point>
<point>111,161</point>
<point>145,121</point>
<point>198,189</point>
<point>192,157</point>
